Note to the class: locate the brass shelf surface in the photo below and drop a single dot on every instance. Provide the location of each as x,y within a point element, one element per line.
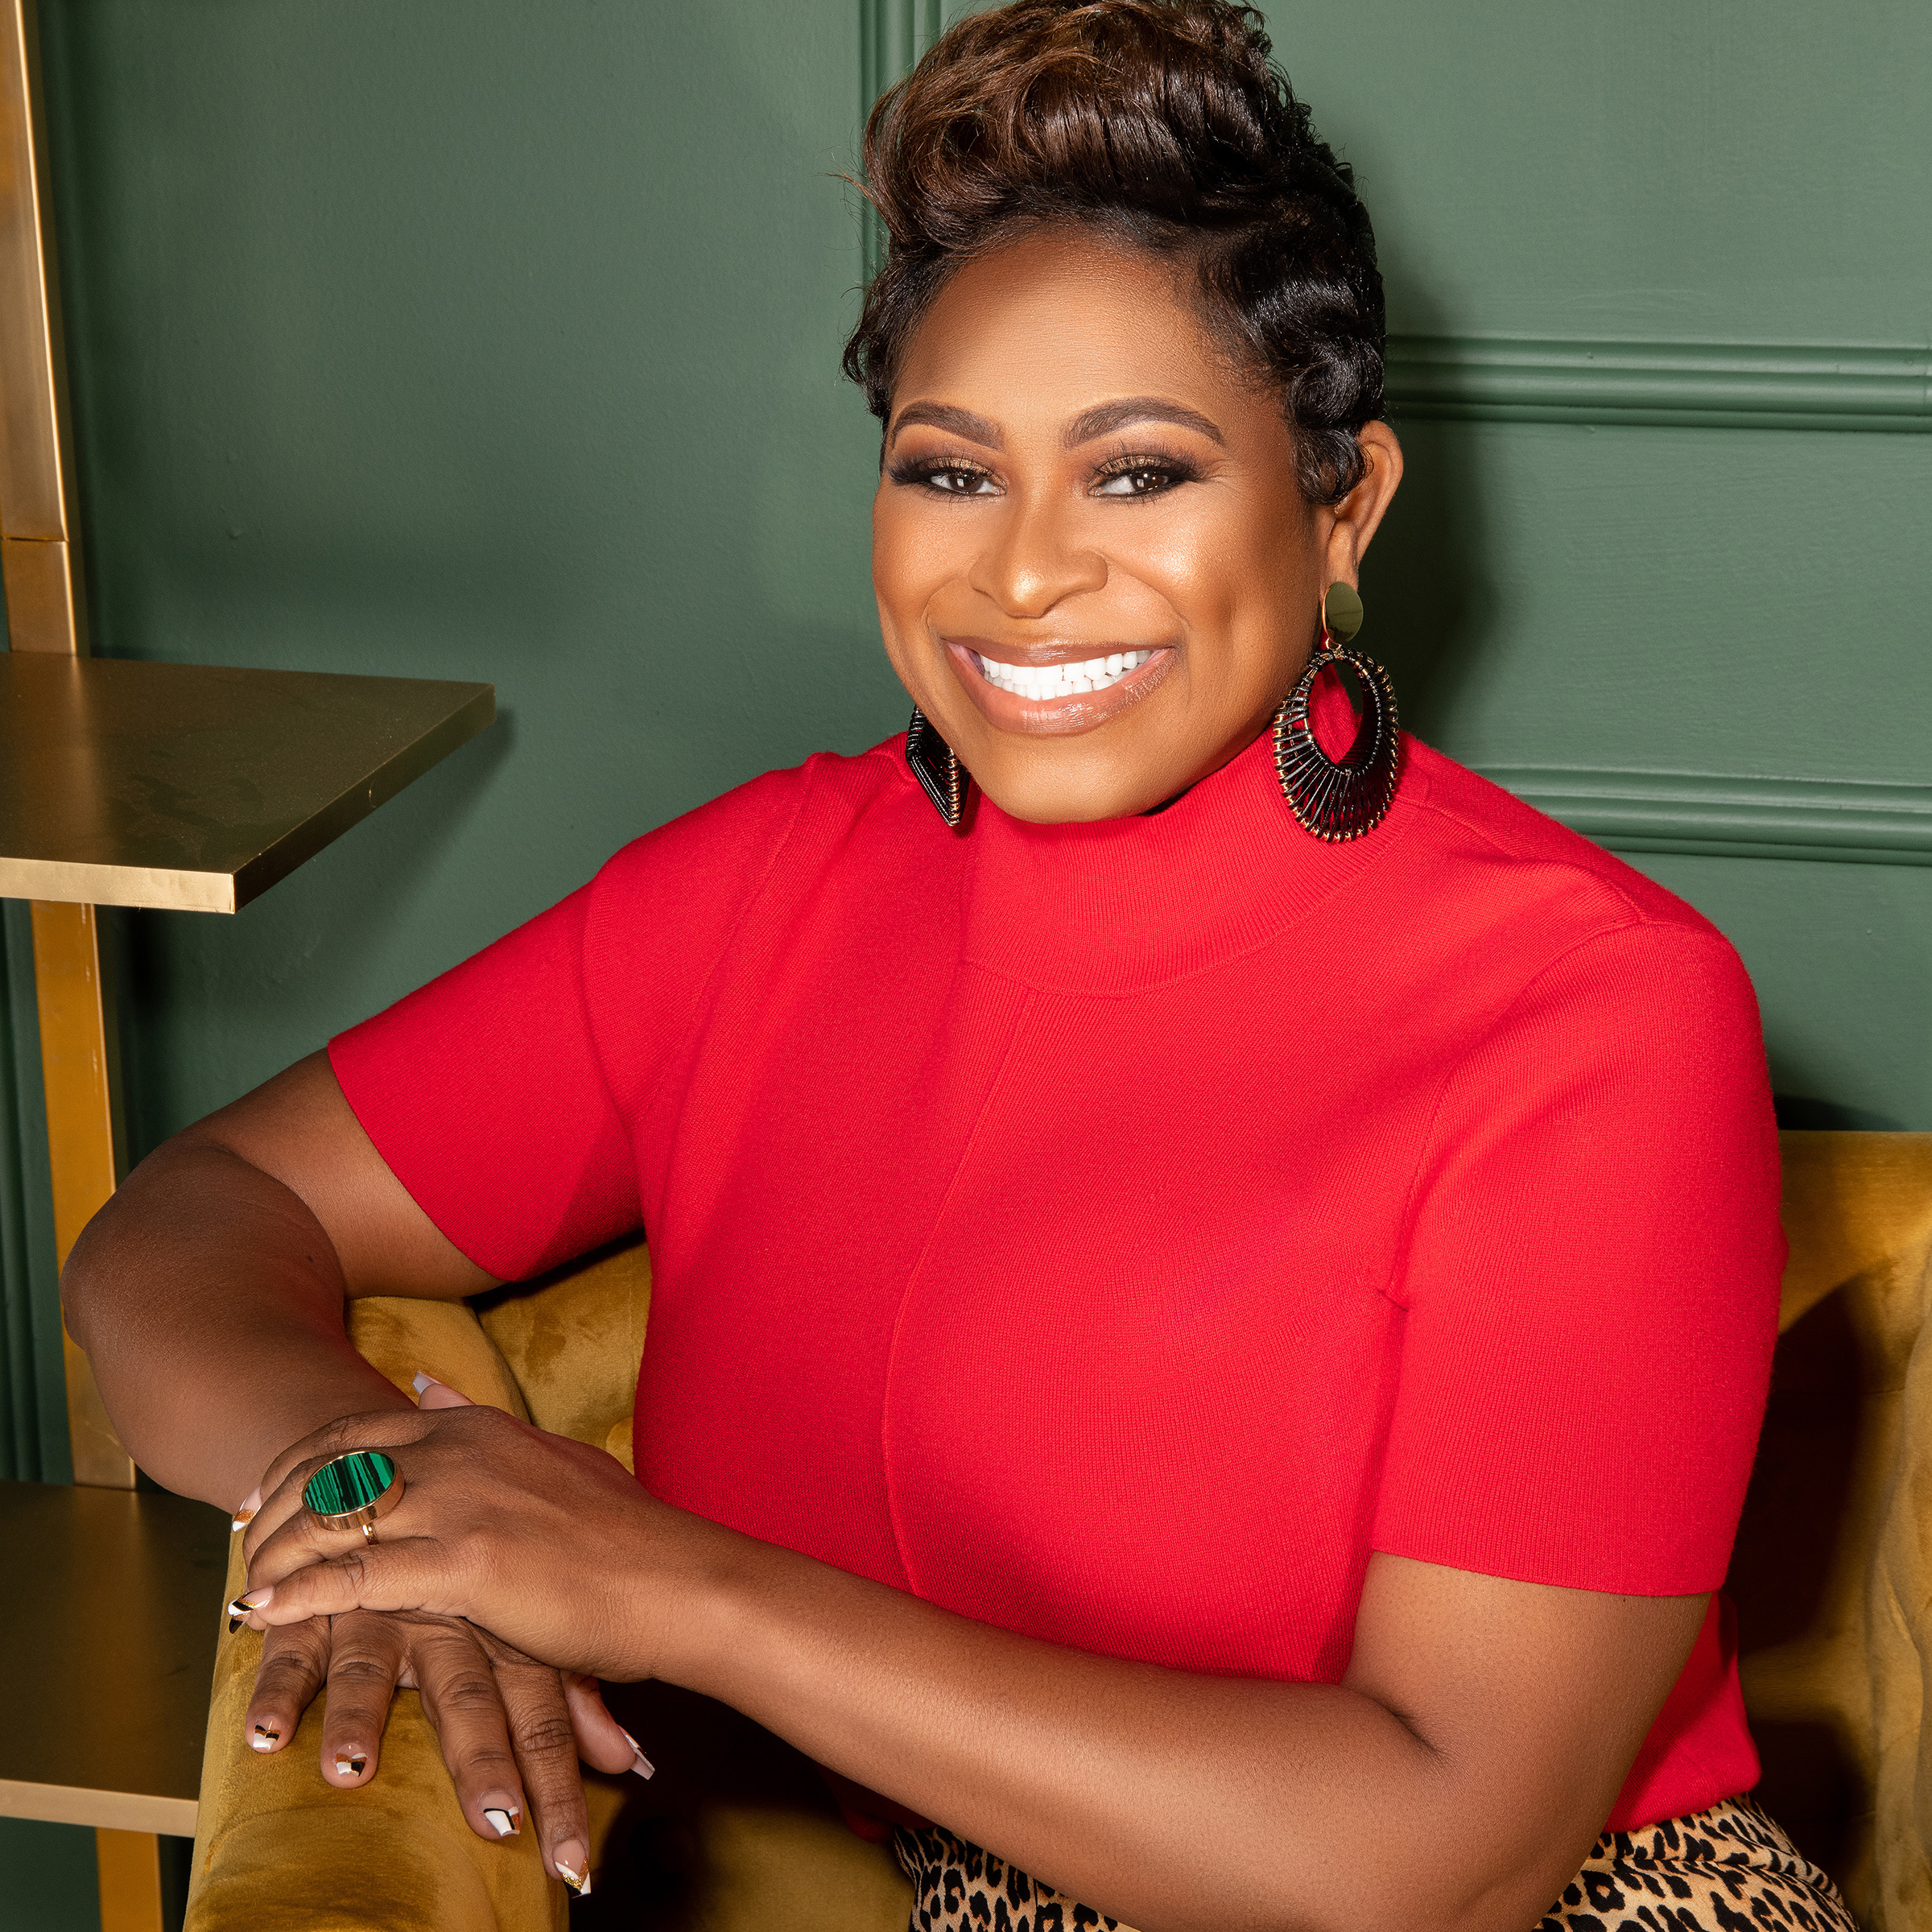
<point>108,1623</point>
<point>196,787</point>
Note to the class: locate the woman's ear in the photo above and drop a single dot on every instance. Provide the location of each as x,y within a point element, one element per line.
<point>1357,515</point>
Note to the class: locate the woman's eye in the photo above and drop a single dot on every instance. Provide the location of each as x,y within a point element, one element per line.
<point>1143,479</point>
<point>958,482</point>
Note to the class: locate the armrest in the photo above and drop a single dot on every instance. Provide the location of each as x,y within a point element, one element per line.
<point>276,1846</point>
<point>737,1825</point>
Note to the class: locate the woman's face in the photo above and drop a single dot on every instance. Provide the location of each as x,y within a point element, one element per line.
<point>1077,480</point>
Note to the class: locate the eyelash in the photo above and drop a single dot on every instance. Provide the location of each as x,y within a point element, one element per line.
<point>918,470</point>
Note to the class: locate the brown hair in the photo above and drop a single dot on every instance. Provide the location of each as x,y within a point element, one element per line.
<point>1167,125</point>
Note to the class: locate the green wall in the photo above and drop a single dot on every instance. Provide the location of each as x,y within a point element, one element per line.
<point>498,340</point>
<point>478,341</point>
<point>1626,247</point>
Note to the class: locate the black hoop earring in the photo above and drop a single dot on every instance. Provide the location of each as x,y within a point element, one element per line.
<point>936,766</point>
<point>1339,799</point>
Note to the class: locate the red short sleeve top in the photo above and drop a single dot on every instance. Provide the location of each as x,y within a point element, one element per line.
<point>1117,1232</point>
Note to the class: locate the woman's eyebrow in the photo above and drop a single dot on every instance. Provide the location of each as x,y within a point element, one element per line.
<point>1106,417</point>
<point>945,415</point>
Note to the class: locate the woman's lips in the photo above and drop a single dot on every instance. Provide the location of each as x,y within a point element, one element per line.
<point>1076,711</point>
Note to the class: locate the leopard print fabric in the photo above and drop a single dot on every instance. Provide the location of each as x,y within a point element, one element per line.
<point>1728,1869</point>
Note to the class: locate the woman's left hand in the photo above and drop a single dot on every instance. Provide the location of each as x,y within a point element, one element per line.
<point>552,1546</point>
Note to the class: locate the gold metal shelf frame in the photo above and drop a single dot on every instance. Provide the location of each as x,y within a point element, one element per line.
<point>189,787</point>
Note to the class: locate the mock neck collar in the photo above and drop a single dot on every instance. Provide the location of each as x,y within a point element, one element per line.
<point>1122,904</point>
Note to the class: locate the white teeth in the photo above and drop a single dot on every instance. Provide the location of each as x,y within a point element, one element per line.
<point>1047,681</point>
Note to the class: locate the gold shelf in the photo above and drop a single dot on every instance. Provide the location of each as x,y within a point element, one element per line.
<point>196,787</point>
<point>109,1623</point>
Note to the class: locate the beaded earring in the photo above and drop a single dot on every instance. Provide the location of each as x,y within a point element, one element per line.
<point>1339,799</point>
<point>936,766</point>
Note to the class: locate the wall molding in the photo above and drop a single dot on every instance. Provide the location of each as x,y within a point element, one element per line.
<point>1714,385</point>
<point>1847,821</point>
<point>893,34</point>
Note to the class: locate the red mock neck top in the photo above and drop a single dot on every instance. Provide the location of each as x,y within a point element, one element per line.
<point>1117,1232</point>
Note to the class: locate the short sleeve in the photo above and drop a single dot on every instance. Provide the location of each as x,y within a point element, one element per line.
<point>503,1096</point>
<point>1592,1279</point>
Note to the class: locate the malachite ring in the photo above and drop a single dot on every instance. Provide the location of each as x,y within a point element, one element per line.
<point>354,1491</point>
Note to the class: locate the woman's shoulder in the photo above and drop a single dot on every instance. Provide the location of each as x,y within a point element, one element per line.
<point>1530,865</point>
<point>725,845</point>
<point>1529,917</point>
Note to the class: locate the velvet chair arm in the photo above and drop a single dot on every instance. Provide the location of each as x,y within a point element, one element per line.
<point>279,1847</point>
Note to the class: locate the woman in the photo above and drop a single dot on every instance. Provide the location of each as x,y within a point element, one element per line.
<point>1212,1298</point>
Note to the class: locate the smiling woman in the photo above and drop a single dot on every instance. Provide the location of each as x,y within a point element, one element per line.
<point>1212,1295</point>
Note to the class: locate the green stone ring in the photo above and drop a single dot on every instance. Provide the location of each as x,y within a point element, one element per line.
<point>354,1491</point>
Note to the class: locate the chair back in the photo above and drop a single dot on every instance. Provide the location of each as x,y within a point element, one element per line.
<point>1832,1577</point>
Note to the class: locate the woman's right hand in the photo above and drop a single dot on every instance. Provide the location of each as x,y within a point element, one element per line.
<point>510,1727</point>
<point>512,1730</point>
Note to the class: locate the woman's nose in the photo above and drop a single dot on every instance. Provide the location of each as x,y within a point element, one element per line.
<point>1034,562</point>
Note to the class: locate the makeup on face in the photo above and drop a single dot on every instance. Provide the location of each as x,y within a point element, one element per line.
<point>1089,543</point>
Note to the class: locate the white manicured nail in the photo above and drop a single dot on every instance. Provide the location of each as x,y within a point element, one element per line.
<point>579,1883</point>
<point>643,1766</point>
<point>423,1381</point>
<point>505,1821</point>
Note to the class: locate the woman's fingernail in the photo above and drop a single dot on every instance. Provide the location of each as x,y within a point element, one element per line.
<point>573,1866</point>
<point>351,1765</point>
<point>643,1767</point>
<point>264,1739</point>
<point>252,1599</point>
<point>423,1381</point>
<point>503,1818</point>
<point>245,1513</point>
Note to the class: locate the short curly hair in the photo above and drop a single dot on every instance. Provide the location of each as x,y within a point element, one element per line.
<point>1164,124</point>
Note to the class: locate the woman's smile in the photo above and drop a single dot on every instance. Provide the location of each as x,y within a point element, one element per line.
<point>1057,689</point>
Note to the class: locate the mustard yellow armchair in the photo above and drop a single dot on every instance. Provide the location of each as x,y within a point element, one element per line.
<point>1833,1582</point>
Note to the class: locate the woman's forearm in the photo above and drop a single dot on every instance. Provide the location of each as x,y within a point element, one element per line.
<point>210,1301</point>
<point>1455,1780</point>
<point>1169,1799</point>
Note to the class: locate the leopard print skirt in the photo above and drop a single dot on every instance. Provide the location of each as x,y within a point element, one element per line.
<point>1728,1869</point>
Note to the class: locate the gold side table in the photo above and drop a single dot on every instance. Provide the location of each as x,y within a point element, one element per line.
<point>110,1617</point>
<point>196,788</point>
<point>128,784</point>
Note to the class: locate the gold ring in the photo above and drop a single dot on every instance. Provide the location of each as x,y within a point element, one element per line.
<point>354,1491</point>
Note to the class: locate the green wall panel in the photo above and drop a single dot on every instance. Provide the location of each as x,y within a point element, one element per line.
<point>1654,218</point>
<point>1728,170</point>
<point>47,1881</point>
<point>33,1410</point>
<point>477,341</point>
<point>1662,599</point>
